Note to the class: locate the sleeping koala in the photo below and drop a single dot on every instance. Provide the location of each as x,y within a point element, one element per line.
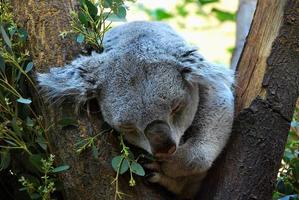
<point>159,91</point>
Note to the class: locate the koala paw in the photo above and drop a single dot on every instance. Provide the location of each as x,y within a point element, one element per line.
<point>157,176</point>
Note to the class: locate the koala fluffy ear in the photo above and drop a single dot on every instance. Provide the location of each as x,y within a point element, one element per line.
<point>77,81</point>
<point>197,70</point>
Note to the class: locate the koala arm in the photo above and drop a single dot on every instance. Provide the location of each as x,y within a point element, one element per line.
<point>211,126</point>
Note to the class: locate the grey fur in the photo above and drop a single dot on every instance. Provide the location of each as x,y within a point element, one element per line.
<point>146,69</point>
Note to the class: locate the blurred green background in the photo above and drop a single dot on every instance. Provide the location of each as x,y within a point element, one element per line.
<point>207,24</point>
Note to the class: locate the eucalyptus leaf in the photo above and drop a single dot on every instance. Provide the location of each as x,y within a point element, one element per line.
<point>24,101</point>
<point>107,3</point>
<point>83,19</point>
<point>4,159</point>
<point>23,189</point>
<point>137,169</point>
<point>290,197</point>
<point>203,2</point>
<point>114,18</point>
<point>60,169</point>
<point>35,160</point>
<point>42,142</point>
<point>11,143</point>
<point>23,34</point>
<point>12,30</point>
<point>288,155</point>
<point>2,64</point>
<point>5,37</point>
<point>80,38</point>
<point>92,9</point>
<point>15,126</point>
<point>296,168</point>
<point>224,15</point>
<point>121,12</point>
<point>120,164</point>
<point>95,151</point>
<point>29,67</point>
<point>29,122</point>
<point>131,155</point>
<point>160,14</point>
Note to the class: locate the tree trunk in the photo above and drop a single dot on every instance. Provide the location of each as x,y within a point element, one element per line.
<point>88,177</point>
<point>267,90</point>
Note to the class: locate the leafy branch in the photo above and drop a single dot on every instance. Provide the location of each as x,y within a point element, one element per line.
<point>94,19</point>
<point>123,163</point>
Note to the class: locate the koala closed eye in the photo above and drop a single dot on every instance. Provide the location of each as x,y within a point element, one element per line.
<point>177,107</point>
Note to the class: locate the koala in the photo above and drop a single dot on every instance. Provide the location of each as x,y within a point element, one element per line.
<point>161,93</point>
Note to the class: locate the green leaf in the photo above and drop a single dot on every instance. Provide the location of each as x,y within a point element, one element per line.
<point>11,143</point>
<point>231,49</point>
<point>80,38</point>
<point>35,160</point>
<point>83,19</point>
<point>92,9</point>
<point>181,9</point>
<point>203,2</point>
<point>2,64</point>
<point>23,34</point>
<point>120,164</point>
<point>107,3</point>
<point>288,155</point>
<point>67,121</point>
<point>131,155</point>
<point>290,197</point>
<point>12,30</point>
<point>29,67</point>
<point>280,186</point>
<point>114,18</point>
<point>24,101</point>
<point>289,188</point>
<point>81,145</point>
<point>224,15</point>
<point>121,12</point>
<point>296,168</point>
<point>29,122</point>
<point>15,126</point>
<point>60,169</point>
<point>137,169</point>
<point>82,2</point>
<point>42,142</point>
<point>95,151</point>
<point>5,37</point>
<point>160,14</point>
<point>4,159</point>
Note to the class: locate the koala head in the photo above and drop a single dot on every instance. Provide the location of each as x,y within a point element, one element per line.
<point>150,97</point>
<point>149,100</point>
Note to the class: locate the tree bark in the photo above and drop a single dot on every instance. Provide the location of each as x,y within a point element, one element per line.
<point>88,177</point>
<point>266,90</point>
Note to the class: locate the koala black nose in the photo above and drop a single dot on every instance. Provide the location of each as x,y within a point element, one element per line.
<point>160,138</point>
